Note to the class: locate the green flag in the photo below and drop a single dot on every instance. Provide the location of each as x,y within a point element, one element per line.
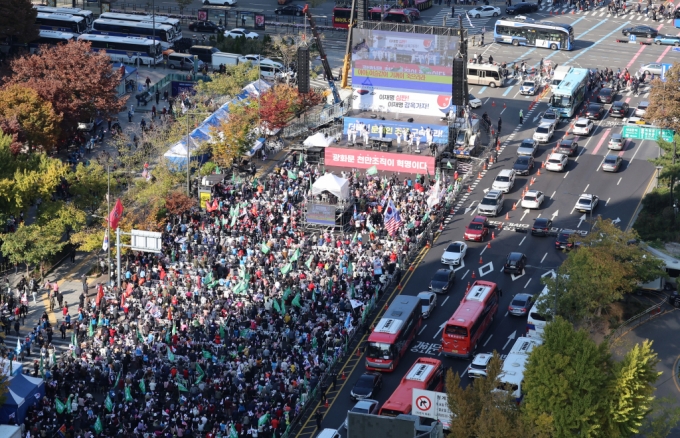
<point>263,420</point>
<point>448,165</point>
<point>309,261</point>
<point>128,395</point>
<point>255,183</point>
<point>115,385</point>
<point>233,221</point>
<point>295,256</point>
<point>373,170</point>
<point>59,406</point>
<point>100,321</point>
<point>265,248</point>
<point>139,336</point>
<point>174,328</point>
<point>142,386</point>
<point>296,300</point>
<point>201,373</point>
<point>283,308</point>
<point>207,354</point>
<point>232,432</point>
<point>292,175</point>
<point>223,335</point>
<point>90,330</point>
<point>98,428</point>
<point>286,293</point>
<point>286,269</point>
<point>108,404</point>
<point>42,367</point>
<point>167,336</point>
<point>354,238</point>
<point>276,306</point>
<point>181,387</point>
<point>301,160</point>
<point>171,356</point>
<point>68,404</point>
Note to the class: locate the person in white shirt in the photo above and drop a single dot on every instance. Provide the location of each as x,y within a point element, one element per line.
<point>398,137</point>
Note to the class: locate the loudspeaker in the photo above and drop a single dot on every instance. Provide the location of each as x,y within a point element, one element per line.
<point>303,69</point>
<point>399,148</point>
<point>362,10</point>
<point>410,120</point>
<point>458,90</point>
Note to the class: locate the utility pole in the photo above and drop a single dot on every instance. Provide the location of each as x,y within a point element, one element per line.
<point>673,181</point>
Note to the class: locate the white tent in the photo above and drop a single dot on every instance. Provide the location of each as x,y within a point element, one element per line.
<point>333,184</point>
<point>318,139</point>
<point>256,88</point>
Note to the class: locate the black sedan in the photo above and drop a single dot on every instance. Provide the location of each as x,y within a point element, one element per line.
<point>205,26</point>
<point>606,95</point>
<point>442,282</point>
<point>515,263</point>
<point>523,164</point>
<point>564,240</point>
<point>541,227</point>
<point>521,8</point>
<point>641,31</point>
<point>366,387</point>
<point>619,109</point>
<point>567,146</point>
<point>289,10</point>
<point>595,111</point>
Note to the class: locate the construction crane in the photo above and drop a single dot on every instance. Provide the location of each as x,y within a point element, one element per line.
<point>348,49</point>
<point>322,54</point>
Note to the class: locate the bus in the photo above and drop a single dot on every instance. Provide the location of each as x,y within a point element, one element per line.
<point>511,377</point>
<point>159,19</point>
<point>469,322</point>
<point>135,50</point>
<point>342,13</point>
<point>393,334</point>
<point>426,373</point>
<point>535,321</point>
<point>571,92</point>
<point>87,15</point>
<point>51,38</point>
<point>61,22</point>
<point>390,15</point>
<point>164,33</point>
<point>528,32</point>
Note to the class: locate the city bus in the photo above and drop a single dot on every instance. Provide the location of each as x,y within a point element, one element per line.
<point>51,38</point>
<point>87,15</point>
<point>61,22</point>
<point>390,15</point>
<point>464,330</point>
<point>159,19</point>
<point>570,93</point>
<point>392,336</point>
<point>164,33</point>
<point>426,373</point>
<point>511,377</point>
<point>342,13</point>
<point>134,50</point>
<point>535,321</point>
<point>528,32</point>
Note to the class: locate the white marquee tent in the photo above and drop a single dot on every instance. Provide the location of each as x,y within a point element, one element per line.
<point>333,184</point>
<point>318,139</point>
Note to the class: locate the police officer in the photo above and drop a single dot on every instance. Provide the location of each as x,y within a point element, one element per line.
<point>521,120</point>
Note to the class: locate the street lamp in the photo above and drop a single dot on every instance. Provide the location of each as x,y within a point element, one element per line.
<point>552,269</point>
<point>187,114</point>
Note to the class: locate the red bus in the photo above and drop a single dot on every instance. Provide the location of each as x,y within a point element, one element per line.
<point>393,334</point>
<point>474,315</point>
<point>391,15</point>
<point>427,373</point>
<point>341,14</point>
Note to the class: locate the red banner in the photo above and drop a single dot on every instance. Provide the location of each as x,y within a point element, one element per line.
<point>384,161</point>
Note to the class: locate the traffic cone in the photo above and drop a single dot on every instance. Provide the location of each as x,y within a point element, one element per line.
<point>325,405</point>
<point>493,103</point>
<point>504,106</point>
<point>386,306</point>
<point>488,245</point>
<point>491,160</point>
<point>507,216</point>
<point>500,225</point>
<point>493,235</point>
<point>533,180</point>
<point>484,168</point>
<point>358,353</point>
<point>539,172</point>
<point>441,227</point>
<point>514,206</point>
<point>469,189</point>
<point>343,376</point>
<point>468,286</point>
<point>473,276</point>
<point>480,260</point>
<point>479,175</point>
<point>543,164</point>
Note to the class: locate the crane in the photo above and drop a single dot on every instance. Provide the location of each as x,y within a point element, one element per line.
<point>322,54</point>
<point>348,49</point>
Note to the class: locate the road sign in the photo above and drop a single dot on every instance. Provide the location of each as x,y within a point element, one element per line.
<point>664,69</point>
<point>632,38</point>
<point>147,241</point>
<point>431,404</point>
<point>647,133</point>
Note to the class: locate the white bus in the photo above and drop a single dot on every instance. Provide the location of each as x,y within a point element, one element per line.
<point>164,33</point>
<point>159,19</point>
<point>132,50</point>
<point>536,321</point>
<point>512,374</point>
<point>61,22</point>
<point>51,38</point>
<point>485,74</point>
<point>87,15</point>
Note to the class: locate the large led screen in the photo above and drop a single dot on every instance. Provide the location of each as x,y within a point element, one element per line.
<point>402,61</point>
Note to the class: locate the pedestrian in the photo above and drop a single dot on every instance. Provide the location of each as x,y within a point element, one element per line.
<point>85,286</point>
<point>153,112</point>
<point>500,123</point>
<point>158,98</point>
<point>64,310</point>
<point>148,82</point>
<point>62,328</point>
<point>165,95</point>
<point>17,326</point>
<point>130,116</point>
<point>335,380</point>
<point>318,415</point>
<point>73,255</point>
<point>521,118</point>
<point>481,41</point>
<point>453,11</point>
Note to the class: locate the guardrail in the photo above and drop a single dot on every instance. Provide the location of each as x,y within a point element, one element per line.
<point>313,121</point>
<point>639,319</point>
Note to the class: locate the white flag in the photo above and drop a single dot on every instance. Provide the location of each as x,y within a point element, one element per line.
<point>105,245</point>
<point>469,21</point>
<point>18,346</point>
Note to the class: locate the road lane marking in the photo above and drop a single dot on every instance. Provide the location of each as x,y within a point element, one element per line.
<point>444,302</point>
<point>619,181</point>
<point>607,203</point>
<point>528,281</point>
<point>553,195</point>
<point>510,88</point>
<point>586,189</point>
<point>465,275</point>
<point>422,330</point>
<point>566,174</point>
<point>522,240</point>
<point>544,256</point>
<point>487,341</point>
<point>596,43</point>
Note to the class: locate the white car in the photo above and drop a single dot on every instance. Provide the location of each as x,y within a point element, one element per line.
<point>220,2</point>
<point>474,102</point>
<point>653,68</point>
<point>504,181</point>
<point>528,88</point>
<point>641,109</point>
<point>551,117</point>
<point>533,199</point>
<point>365,406</point>
<point>544,132</point>
<point>454,253</point>
<point>586,203</point>
<point>240,32</point>
<point>556,162</point>
<point>479,365</point>
<point>583,126</point>
<point>484,11</point>
<point>428,301</point>
<point>491,204</point>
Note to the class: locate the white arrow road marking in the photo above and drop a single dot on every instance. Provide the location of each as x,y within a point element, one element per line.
<point>526,212</point>
<point>422,330</point>
<point>467,210</point>
<point>515,277</point>
<point>486,191</point>
<point>537,117</point>
<point>441,327</point>
<point>554,215</point>
<point>580,220</point>
<point>550,272</point>
<point>510,338</point>
<point>617,220</point>
<point>487,340</point>
<point>462,265</point>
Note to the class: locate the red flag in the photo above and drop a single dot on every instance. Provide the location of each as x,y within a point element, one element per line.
<point>100,294</point>
<point>116,214</point>
<point>216,205</point>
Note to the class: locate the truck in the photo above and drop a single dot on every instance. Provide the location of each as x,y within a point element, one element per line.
<point>468,139</point>
<point>227,59</point>
<point>559,74</point>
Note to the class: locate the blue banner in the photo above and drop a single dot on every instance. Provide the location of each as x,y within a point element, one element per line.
<point>440,133</point>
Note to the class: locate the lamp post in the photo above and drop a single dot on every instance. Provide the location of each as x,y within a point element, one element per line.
<point>552,269</point>
<point>187,114</point>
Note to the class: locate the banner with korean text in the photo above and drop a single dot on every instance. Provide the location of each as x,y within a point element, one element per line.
<point>384,161</point>
<point>390,128</point>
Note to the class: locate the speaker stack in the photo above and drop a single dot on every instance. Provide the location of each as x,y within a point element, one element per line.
<point>303,69</point>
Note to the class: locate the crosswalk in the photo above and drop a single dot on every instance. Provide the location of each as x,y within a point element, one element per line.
<point>60,346</point>
<point>473,25</point>
<point>601,12</point>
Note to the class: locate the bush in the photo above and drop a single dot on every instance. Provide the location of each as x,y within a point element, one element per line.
<point>655,219</point>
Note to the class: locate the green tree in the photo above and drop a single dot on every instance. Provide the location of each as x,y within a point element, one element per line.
<point>17,21</point>
<point>229,84</point>
<point>36,117</point>
<point>566,381</point>
<point>669,161</point>
<point>663,418</point>
<point>88,185</point>
<point>33,244</point>
<point>237,133</point>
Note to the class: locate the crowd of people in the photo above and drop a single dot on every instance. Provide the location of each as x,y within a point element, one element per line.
<point>232,327</point>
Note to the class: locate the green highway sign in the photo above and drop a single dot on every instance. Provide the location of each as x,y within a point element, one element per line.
<point>647,133</point>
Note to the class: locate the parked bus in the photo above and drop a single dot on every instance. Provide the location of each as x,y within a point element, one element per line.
<point>51,38</point>
<point>164,33</point>
<point>536,321</point>
<point>342,13</point>
<point>528,32</point>
<point>390,15</point>
<point>158,19</point>
<point>426,373</point>
<point>87,15</point>
<point>571,92</point>
<point>61,22</point>
<point>133,50</point>
<point>392,336</point>
<point>511,377</point>
<point>467,325</point>
<point>485,74</point>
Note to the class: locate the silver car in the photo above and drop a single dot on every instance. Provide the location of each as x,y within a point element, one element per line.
<point>428,301</point>
<point>365,406</point>
<point>653,68</point>
<point>611,163</point>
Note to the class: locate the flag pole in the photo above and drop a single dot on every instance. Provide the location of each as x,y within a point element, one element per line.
<point>108,220</point>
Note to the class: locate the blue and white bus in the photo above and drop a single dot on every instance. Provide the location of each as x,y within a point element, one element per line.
<point>522,31</point>
<point>164,33</point>
<point>571,92</point>
<point>87,15</point>
<point>51,38</point>
<point>133,50</point>
<point>174,22</point>
<point>61,22</point>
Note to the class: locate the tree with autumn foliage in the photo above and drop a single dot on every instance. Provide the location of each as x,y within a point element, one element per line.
<point>77,82</point>
<point>37,122</point>
<point>17,21</point>
<point>282,102</point>
<point>236,134</point>
<point>178,202</point>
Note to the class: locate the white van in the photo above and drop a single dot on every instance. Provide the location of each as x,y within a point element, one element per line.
<point>535,321</point>
<point>560,73</point>
<point>485,74</point>
<point>222,58</point>
<point>270,73</point>
<point>672,268</point>
<point>183,61</point>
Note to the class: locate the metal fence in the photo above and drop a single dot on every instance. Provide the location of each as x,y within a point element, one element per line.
<point>641,318</point>
<point>308,122</point>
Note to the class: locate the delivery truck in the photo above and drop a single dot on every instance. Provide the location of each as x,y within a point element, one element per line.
<point>222,58</point>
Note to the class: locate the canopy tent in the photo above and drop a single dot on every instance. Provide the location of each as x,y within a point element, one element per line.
<point>177,155</point>
<point>333,184</point>
<point>258,145</point>
<point>23,392</point>
<point>318,139</point>
<point>256,88</point>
